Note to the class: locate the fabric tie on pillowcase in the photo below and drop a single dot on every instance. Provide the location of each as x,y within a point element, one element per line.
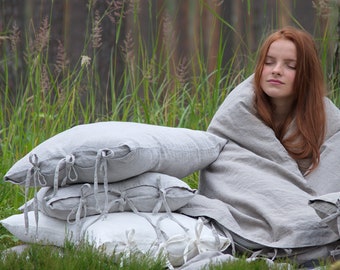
<point>124,199</point>
<point>162,201</point>
<point>39,180</point>
<point>176,239</point>
<point>34,172</point>
<point>162,198</point>
<point>80,210</point>
<point>69,166</point>
<point>130,243</point>
<point>82,206</point>
<point>100,176</point>
<point>37,176</point>
<point>101,165</point>
<point>192,243</point>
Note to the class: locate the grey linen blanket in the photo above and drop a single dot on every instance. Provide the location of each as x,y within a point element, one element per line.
<point>255,190</point>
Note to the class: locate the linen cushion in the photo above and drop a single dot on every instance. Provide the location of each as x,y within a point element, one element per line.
<point>112,151</point>
<point>148,192</point>
<point>178,238</point>
<point>51,231</point>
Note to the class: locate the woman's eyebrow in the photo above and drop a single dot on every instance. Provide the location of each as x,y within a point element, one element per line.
<point>290,60</point>
<point>268,57</point>
<point>286,60</point>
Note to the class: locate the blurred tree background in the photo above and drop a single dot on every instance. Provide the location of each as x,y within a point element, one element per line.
<point>110,32</point>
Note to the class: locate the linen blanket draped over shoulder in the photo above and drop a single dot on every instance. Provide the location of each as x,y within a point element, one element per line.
<point>255,190</point>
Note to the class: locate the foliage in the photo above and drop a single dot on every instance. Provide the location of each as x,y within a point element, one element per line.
<point>51,97</point>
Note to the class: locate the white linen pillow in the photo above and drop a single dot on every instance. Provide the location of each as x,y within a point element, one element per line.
<point>112,151</point>
<point>51,231</point>
<point>148,192</point>
<point>126,232</point>
<point>184,236</point>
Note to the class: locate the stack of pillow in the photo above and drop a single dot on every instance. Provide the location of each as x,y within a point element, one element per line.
<point>116,185</point>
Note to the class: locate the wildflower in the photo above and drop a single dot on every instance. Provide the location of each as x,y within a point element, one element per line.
<point>85,60</point>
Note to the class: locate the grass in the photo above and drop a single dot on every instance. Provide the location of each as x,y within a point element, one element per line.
<point>76,257</point>
<point>51,97</point>
<point>87,257</point>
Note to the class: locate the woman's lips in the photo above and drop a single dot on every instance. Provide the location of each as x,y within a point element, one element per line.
<point>272,81</point>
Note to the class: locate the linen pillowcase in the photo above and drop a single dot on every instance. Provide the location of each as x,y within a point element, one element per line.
<point>328,209</point>
<point>182,238</point>
<point>148,192</point>
<point>51,231</point>
<point>112,151</point>
<point>179,238</point>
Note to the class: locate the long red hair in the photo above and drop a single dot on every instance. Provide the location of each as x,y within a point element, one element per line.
<point>308,110</point>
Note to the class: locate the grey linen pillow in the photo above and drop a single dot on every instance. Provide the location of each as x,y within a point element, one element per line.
<point>113,151</point>
<point>148,192</point>
<point>327,207</point>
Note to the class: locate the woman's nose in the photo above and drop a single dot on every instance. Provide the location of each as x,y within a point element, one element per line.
<point>277,69</point>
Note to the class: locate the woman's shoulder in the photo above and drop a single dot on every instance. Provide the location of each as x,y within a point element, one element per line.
<point>243,94</point>
<point>244,89</point>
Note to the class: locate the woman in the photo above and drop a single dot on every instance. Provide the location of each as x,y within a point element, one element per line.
<point>289,87</point>
<point>282,151</point>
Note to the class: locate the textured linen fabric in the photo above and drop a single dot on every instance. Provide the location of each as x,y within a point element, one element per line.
<point>148,192</point>
<point>178,236</point>
<point>326,177</point>
<point>327,206</point>
<point>113,151</point>
<point>255,190</point>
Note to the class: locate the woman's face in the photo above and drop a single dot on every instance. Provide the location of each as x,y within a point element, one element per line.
<point>279,71</point>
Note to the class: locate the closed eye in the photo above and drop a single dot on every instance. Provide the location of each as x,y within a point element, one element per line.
<point>269,60</point>
<point>291,65</point>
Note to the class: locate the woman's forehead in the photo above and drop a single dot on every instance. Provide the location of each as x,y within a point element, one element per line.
<point>282,48</point>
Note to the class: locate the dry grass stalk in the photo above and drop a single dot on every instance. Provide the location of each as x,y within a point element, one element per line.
<point>14,37</point>
<point>117,10</point>
<point>322,7</point>
<point>97,31</point>
<point>61,58</point>
<point>43,37</point>
<point>44,81</point>
<point>129,47</point>
<point>182,71</point>
<point>168,32</point>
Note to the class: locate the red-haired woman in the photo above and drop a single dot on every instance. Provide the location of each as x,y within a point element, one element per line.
<point>289,87</point>
<point>281,156</point>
